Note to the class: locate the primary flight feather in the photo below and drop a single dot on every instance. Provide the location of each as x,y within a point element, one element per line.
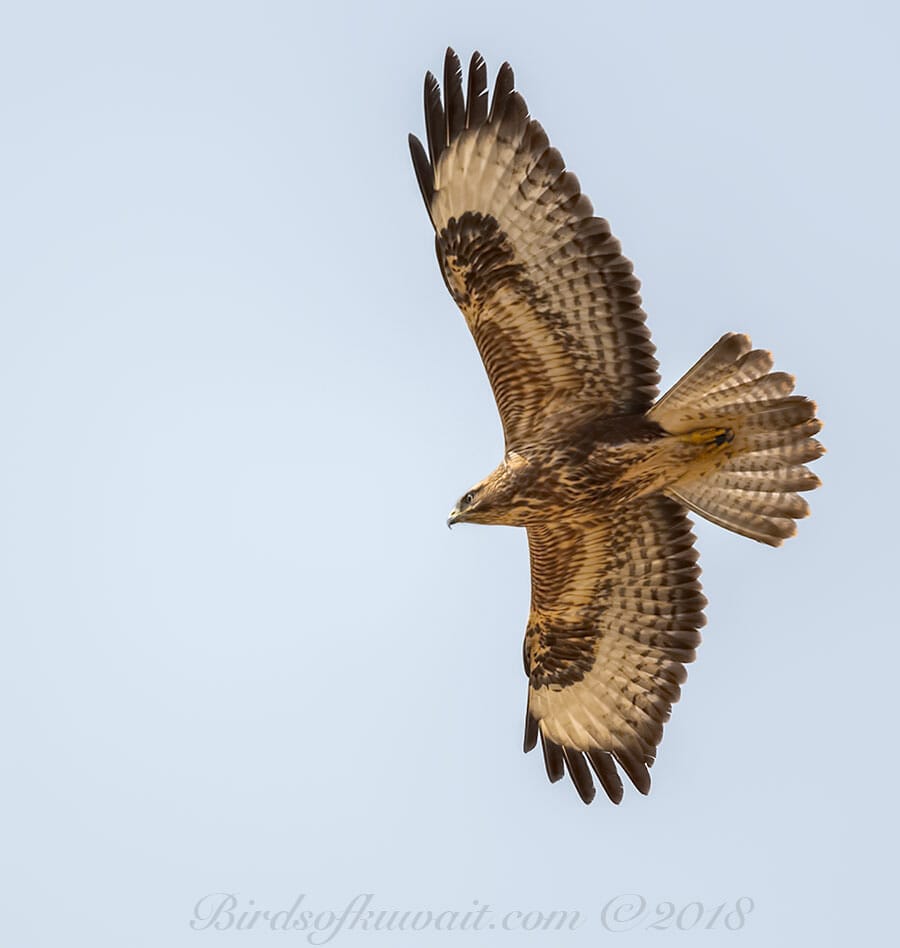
<point>597,470</point>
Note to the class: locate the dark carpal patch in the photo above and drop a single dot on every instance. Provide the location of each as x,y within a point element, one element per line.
<point>476,259</point>
<point>556,655</point>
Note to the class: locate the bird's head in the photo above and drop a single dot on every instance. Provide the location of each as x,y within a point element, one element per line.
<point>493,500</point>
<point>468,506</point>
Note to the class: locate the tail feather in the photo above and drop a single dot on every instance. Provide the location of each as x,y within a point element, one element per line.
<point>774,458</point>
<point>780,439</point>
<point>791,477</point>
<point>768,413</point>
<point>750,484</point>
<point>711,505</point>
<point>724,367</point>
<point>773,385</point>
<point>764,503</point>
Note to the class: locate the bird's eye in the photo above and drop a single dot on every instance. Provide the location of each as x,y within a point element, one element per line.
<point>468,498</point>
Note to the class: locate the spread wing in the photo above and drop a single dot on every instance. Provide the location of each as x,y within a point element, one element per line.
<point>615,614</point>
<point>552,303</point>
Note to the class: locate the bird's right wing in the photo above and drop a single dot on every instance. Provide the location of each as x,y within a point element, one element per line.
<point>550,299</point>
<point>615,613</point>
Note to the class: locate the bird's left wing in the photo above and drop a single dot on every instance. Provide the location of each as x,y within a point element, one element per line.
<point>546,292</point>
<point>615,613</point>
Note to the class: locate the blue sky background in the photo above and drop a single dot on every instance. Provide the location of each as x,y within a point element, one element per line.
<point>242,653</point>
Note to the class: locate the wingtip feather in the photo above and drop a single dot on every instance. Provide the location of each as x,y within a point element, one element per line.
<point>423,169</point>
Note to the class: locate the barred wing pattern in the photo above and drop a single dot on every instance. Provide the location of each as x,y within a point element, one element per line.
<point>615,615</point>
<point>551,301</point>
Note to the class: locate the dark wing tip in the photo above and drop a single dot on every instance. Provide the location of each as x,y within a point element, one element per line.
<point>448,116</point>
<point>477,92</point>
<point>423,168</point>
<point>531,732</point>
<point>454,103</point>
<point>559,759</point>
<point>503,88</point>
<point>580,774</point>
<point>636,769</point>
<point>553,759</point>
<point>434,117</point>
<point>606,772</point>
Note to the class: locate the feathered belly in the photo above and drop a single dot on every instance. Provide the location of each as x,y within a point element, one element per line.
<point>564,489</point>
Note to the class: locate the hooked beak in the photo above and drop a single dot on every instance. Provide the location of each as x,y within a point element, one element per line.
<point>453,518</point>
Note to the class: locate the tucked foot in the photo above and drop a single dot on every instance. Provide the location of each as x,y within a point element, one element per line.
<point>708,437</point>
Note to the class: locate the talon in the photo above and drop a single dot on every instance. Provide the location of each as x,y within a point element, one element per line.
<point>711,437</point>
<point>726,435</point>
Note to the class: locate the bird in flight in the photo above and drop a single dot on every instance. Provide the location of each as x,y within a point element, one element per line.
<point>597,469</point>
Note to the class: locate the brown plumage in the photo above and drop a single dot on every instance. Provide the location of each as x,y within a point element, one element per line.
<point>596,469</point>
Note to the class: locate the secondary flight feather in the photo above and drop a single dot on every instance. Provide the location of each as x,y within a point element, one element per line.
<point>599,471</point>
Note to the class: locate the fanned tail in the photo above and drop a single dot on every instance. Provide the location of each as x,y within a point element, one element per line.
<point>762,436</point>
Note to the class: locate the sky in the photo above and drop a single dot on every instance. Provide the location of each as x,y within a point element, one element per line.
<point>244,661</point>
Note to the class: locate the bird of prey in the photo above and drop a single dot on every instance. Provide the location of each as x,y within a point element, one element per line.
<point>597,469</point>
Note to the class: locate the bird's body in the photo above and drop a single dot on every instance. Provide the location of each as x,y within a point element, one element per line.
<point>598,470</point>
<point>580,463</point>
